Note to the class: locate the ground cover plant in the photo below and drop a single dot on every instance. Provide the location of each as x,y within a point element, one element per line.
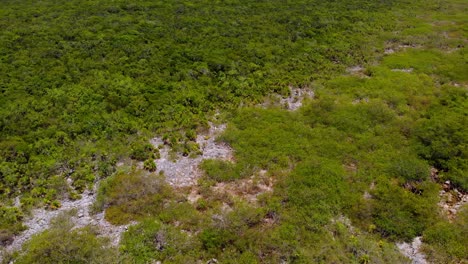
<point>85,84</point>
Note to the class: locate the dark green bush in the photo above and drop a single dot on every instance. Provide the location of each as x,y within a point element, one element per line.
<point>443,136</point>
<point>214,240</point>
<point>142,152</point>
<point>401,214</point>
<point>10,224</point>
<point>409,168</point>
<point>149,165</point>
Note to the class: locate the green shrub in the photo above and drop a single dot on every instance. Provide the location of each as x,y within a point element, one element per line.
<point>220,170</point>
<point>150,240</point>
<point>401,214</point>
<point>149,165</point>
<point>447,241</point>
<point>317,190</point>
<point>214,240</point>
<point>62,244</point>
<point>443,136</point>
<point>409,168</point>
<point>142,151</point>
<point>10,224</point>
<point>131,196</point>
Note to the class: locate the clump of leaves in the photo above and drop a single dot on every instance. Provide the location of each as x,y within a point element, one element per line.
<point>132,195</point>
<point>149,165</point>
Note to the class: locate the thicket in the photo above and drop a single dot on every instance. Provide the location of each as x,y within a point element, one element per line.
<point>446,241</point>
<point>83,80</point>
<point>85,83</point>
<point>132,195</point>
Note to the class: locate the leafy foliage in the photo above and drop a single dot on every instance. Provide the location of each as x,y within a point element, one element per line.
<point>85,84</point>
<point>84,80</point>
<point>10,223</point>
<point>132,195</point>
<point>61,244</point>
<point>447,240</point>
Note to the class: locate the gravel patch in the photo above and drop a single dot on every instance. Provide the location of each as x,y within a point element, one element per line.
<point>412,251</point>
<point>451,200</point>
<point>40,220</point>
<point>297,95</point>
<point>184,171</point>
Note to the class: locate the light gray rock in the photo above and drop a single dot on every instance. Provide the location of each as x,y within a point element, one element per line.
<point>184,171</point>
<point>412,251</point>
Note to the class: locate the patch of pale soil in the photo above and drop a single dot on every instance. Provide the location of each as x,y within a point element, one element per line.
<point>463,85</point>
<point>451,200</point>
<point>297,95</point>
<point>408,46</point>
<point>358,71</point>
<point>346,222</point>
<point>451,50</point>
<point>413,251</point>
<point>355,69</point>
<point>40,220</point>
<point>393,48</point>
<point>247,189</point>
<point>408,70</point>
<point>184,171</point>
<point>389,51</point>
<point>366,194</point>
<point>293,102</point>
<point>193,196</point>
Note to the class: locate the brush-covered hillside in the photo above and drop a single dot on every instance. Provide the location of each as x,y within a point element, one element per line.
<point>234,131</point>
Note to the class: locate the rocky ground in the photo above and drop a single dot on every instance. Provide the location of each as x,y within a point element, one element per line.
<point>183,171</point>
<point>40,220</point>
<point>297,95</point>
<point>292,102</point>
<point>451,200</point>
<point>413,251</point>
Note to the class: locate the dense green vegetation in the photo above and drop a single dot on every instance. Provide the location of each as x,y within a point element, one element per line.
<point>85,84</point>
<point>82,80</point>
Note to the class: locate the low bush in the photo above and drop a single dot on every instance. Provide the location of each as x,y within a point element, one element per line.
<point>151,240</point>
<point>220,170</point>
<point>149,165</point>
<point>132,195</point>
<point>447,241</point>
<point>401,214</point>
<point>62,244</point>
<point>10,224</point>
